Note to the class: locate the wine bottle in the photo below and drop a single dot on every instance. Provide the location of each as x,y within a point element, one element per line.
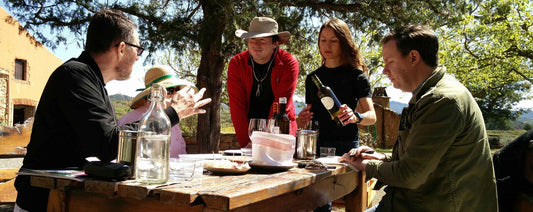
<point>153,141</point>
<point>275,113</point>
<point>328,99</point>
<point>281,120</point>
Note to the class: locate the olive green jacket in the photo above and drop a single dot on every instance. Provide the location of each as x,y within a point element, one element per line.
<point>441,160</point>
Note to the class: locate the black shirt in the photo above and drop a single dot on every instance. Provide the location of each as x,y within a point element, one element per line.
<point>349,84</point>
<point>260,105</point>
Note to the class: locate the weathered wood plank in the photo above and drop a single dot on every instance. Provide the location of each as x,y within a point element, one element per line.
<point>51,183</point>
<point>254,191</point>
<point>80,201</point>
<point>102,187</point>
<point>308,198</point>
<point>231,192</point>
<point>8,174</point>
<point>358,198</point>
<point>8,193</point>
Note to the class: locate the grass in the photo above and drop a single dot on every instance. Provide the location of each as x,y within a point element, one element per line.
<point>384,150</point>
<point>228,129</point>
<point>506,136</point>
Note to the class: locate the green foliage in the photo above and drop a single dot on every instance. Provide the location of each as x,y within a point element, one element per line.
<point>489,51</point>
<point>528,126</point>
<point>121,103</point>
<point>506,136</point>
<point>188,126</point>
<point>503,124</point>
<point>226,126</point>
<point>486,44</point>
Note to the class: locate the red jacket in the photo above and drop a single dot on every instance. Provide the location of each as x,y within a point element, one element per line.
<point>283,80</point>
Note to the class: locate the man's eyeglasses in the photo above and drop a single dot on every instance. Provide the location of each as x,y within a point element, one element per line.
<point>140,49</point>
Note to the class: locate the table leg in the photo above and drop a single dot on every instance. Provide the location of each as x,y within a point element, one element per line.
<point>56,200</point>
<point>356,201</point>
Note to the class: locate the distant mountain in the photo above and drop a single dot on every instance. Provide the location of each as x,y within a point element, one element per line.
<point>299,106</point>
<point>528,115</point>
<point>121,97</point>
<point>397,106</point>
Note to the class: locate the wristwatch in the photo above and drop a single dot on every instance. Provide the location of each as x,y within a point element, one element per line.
<point>359,117</point>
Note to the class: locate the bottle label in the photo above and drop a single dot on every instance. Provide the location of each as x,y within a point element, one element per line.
<point>327,102</point>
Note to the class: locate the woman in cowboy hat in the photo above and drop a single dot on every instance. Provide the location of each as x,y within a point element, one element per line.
<point>260,75</point>
<point>140,104</point>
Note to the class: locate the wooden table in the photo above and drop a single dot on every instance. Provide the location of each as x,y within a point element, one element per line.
<point>293,190</point>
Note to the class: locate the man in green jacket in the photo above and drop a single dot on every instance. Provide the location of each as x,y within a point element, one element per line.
<point>441,160</point>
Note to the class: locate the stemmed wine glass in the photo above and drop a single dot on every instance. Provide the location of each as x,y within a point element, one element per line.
<point>262,125</point>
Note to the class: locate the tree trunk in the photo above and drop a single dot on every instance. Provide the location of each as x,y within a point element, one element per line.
<point>210,73</point>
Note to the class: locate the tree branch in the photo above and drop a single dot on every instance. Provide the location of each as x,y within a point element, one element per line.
<point>327,5</point>
<point>522,75</point>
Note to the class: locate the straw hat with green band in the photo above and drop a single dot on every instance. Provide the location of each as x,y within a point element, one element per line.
<point>161,75</point>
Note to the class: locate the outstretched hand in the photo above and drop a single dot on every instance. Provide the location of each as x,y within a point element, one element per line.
<point>186,103</point>
<point>304,116</point>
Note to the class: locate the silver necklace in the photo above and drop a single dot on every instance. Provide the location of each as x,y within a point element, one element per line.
<point>260,82</point>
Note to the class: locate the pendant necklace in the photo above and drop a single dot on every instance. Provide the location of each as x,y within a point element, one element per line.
<point>260,82</point>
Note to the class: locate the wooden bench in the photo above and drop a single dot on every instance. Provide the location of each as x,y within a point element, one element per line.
<point>11,146</point>
<point>7,185</point>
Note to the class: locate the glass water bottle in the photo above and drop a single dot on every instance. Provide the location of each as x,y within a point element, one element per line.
<point>153,141</point>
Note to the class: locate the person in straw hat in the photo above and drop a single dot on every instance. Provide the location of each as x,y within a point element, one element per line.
<point>260,75</point>
<point>140,103</point>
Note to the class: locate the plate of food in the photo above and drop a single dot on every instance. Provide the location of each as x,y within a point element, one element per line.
<point>226,167</point>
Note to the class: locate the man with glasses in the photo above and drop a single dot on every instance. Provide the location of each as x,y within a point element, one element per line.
<point>75,118</point>
<point>140,49</point>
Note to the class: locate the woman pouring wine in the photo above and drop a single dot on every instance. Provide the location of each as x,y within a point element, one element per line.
<point>334,90</point>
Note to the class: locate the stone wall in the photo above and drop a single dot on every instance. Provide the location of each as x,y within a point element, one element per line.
<point>4,97</point>
<point>227,141</point>
<point>387,124</point>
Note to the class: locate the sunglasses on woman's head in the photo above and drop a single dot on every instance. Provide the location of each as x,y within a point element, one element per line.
<point>171,90</point>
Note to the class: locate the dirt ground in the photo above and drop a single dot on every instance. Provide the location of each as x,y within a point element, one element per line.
<point>6,207</point>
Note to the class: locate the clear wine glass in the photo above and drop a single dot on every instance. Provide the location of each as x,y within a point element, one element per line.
<point>261,125</point>
<point>258,125</point>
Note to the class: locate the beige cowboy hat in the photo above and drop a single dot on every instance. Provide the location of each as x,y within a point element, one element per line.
<point>161,75</point>
<point>263,27</point>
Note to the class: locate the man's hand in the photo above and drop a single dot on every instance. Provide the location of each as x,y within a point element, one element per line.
<point>359,157</point>
<point>186,103</point>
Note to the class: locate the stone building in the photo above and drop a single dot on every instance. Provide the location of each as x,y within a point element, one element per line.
<point>25,65</point>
